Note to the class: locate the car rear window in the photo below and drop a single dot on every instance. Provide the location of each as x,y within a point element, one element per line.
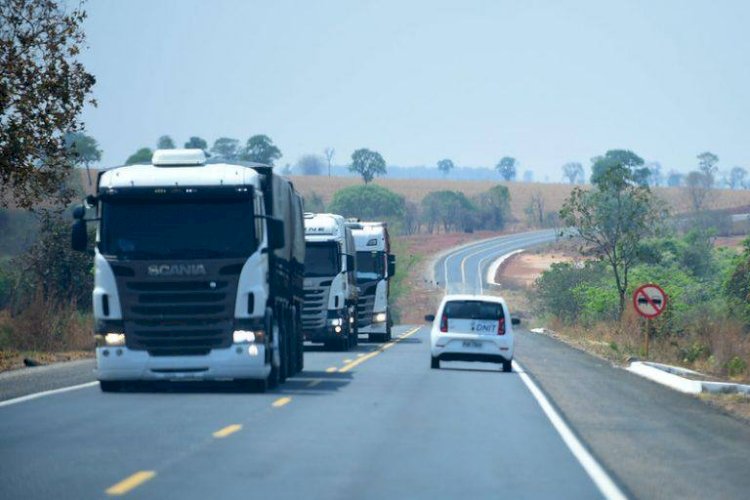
<point>473,309</point>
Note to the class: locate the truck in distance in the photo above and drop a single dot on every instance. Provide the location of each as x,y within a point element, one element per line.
<point>198,272</point>
<point>375,267</point>
<point>329,313</point>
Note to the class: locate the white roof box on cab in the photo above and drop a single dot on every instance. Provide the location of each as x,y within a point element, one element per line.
<point>178,158</point>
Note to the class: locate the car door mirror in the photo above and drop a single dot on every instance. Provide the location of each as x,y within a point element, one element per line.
<point>429,317</point>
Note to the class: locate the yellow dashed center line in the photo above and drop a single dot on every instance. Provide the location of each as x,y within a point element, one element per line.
<point>374,353</point>
<point>226,431</point>
<point>281,402</point>
<point>313,383</point>
<point>331,369</point>
<point>347,361</point>
<point>130,483</point>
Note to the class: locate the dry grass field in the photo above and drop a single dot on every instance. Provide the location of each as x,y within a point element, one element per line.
<point>520,192</point>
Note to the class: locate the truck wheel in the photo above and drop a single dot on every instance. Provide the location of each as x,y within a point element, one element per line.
<point>110,385</point>
<point>283,352</point>
<point>388,336</point>
<point>273,377</point>
<point>508,366</point>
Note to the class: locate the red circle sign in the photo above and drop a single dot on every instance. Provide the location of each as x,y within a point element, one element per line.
<point>649,300</point>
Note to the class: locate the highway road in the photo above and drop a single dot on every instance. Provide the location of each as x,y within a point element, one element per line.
<point>375,422</point>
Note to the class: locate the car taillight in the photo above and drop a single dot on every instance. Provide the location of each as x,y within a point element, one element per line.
<point>444,323</point>
<point>501,326</point>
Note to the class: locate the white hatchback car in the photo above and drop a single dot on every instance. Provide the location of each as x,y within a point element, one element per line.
<point>472,328</point>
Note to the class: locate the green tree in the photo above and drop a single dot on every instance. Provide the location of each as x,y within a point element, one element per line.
<point>450,210</point>
<point>196,143</point>
<point>614,216</point>
<point>708,164</point>
<point>43,89</point>
<point>445,166</point>
<point>260,149</point>
<point>226,148</point>
<point>367,202</point>
<point>368,164</point>
<point>165,142</point>
<point>493,208</point>
<point>329,153</point>
<point>310,165</point>
<point>142,156</point>
<point>314,203</point>
<point>627,167</point>
<point>573,171</point>
<point>698,189</point>
<point>737,286</point>
<point>82,149</point>
<point>506,167</point>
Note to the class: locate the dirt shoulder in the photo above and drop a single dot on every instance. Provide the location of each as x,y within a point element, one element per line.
<point>13,360</point>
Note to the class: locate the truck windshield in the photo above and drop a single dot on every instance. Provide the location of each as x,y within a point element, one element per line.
<point>370,266</point>
<point>177,229</point>
<point>322,259</point>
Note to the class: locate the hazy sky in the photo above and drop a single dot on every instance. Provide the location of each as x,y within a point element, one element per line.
<point>544,81</point>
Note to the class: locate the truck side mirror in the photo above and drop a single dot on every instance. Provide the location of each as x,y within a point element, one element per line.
<point>275,230</point>
<point>349,262</point>
<point>515,321</point>
<point>429,317</point>
<point>79,236</point>
<point>391,265</point>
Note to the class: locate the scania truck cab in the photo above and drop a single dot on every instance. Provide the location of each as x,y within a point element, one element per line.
<point>375,267</point>
<point>329,313</point>
<point>198,272</point>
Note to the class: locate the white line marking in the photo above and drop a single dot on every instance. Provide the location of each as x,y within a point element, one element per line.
<point>492,271</point>
<point>601,479</point>
<point>42,394</point>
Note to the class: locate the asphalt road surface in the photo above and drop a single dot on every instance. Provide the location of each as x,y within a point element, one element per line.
<point>375,422</point>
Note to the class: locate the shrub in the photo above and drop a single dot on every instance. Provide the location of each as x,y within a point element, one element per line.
<point>367,202</point>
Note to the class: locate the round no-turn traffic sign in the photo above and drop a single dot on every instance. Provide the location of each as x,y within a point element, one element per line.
<point>649,300</point>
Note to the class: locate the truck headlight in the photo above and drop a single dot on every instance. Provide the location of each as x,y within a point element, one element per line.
<point>110,340</point>
<point>248,336</point>
<point>379,318</point>
<point>336,322</point>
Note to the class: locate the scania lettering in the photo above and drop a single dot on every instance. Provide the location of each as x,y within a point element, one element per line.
<point>198,272</point>
<point>375,267</point>
<point>329,313</point>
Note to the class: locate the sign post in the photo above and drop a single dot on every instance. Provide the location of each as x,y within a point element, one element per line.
<point>649,301</point>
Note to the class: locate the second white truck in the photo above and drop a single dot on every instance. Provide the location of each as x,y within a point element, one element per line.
<point>375,267</point>
<point>329,312</point>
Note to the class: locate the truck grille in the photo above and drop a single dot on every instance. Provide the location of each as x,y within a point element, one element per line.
<point>315,308</point>
<point>179,316</point>
<point>365,304</point>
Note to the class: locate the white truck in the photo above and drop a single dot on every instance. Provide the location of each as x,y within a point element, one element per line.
<point>329,313</point>
<point>375,267</point>
<point>198,272</point>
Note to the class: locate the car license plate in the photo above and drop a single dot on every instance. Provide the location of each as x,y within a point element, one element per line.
<point>473,344</point>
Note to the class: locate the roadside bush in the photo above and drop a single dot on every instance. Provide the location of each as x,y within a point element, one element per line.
<point>368,202</point>
<point>556,289</point>
<point>314,203</point>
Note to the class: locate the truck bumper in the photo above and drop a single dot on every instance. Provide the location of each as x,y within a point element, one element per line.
<point>238,361</point>
<point>374,328</point>
<point>324,334</point>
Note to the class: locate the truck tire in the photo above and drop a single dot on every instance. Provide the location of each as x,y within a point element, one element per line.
<point>110,385</point>
<point>388,336</point>
<point>283,349</point>
<point>297,329</point>
<point>354,331</point>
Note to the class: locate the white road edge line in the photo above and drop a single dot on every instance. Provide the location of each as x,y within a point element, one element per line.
<point>492,271</point>
<point>42,394</point>
<point>601,479</point>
